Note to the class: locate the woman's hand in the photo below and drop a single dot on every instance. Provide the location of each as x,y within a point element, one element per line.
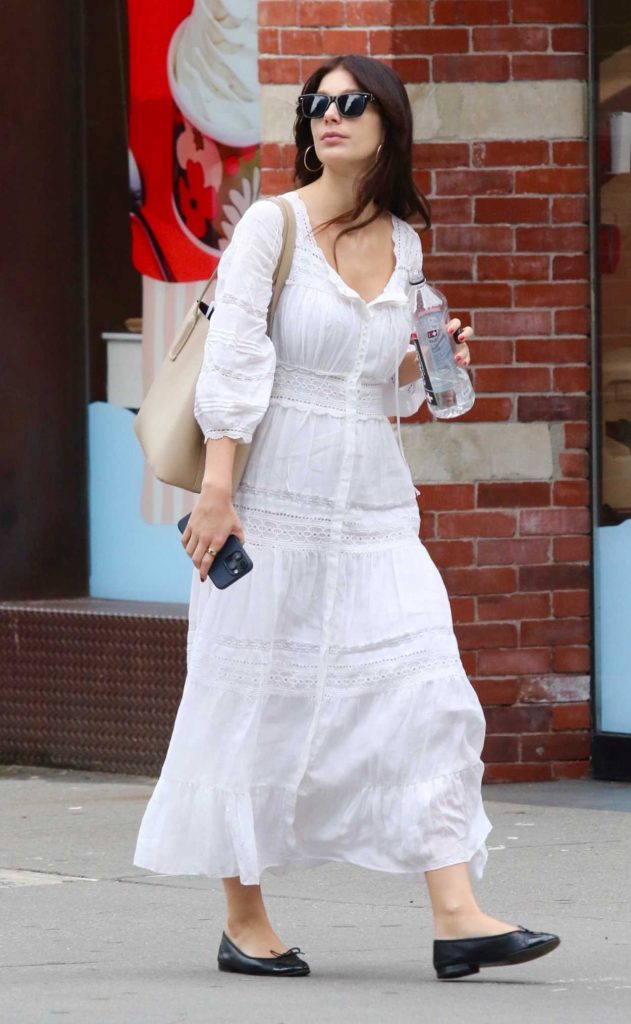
<point>212,521</point>
<point>462,356</point>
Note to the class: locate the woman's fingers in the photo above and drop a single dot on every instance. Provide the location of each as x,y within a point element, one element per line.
<point>461,333</point>
<point>462,355</point>
<point>205,564</point>
<point>202,558</point>
<point>196,545</point>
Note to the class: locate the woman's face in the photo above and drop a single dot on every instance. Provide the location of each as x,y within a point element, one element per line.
<point>345,142</point>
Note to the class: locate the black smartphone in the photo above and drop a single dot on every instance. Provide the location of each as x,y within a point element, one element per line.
<point>229,564</point>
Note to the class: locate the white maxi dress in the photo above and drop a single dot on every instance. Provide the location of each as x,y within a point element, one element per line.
<point>326,715</point>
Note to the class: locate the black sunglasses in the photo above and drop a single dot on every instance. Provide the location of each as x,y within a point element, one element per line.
<point>349,104</point>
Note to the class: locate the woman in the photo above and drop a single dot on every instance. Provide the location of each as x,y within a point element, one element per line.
<point>326,715</point>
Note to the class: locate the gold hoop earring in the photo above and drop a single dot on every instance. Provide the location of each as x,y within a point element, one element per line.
<point>312,170</point>
<point>379,148</point>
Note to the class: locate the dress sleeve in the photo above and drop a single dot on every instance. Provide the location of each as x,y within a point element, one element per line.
<point>411,396</point>
<point>234,385</point>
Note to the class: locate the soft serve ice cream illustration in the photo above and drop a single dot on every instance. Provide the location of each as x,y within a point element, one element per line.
<point>212,73</point>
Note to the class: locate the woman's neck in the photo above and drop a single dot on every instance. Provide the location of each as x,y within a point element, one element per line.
<point>333,194</point>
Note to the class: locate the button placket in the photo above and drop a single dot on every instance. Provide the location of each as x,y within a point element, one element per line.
<point>335,539</point>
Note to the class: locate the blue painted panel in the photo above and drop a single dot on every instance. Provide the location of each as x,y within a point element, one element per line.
<point>613,626</point>
<point>130,559</point>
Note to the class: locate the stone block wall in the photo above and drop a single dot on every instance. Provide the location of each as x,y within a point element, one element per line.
<point>498,93</point>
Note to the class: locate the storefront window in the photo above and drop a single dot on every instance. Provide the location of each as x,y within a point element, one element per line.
<point>615,285</point>
<point>186,131</point>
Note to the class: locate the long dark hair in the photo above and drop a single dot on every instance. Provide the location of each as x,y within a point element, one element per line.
<point>389,183</point>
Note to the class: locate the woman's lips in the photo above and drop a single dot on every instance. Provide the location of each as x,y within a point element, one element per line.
<point>333,138</point>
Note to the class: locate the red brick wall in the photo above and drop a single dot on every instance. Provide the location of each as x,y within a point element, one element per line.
<point>509,245</point>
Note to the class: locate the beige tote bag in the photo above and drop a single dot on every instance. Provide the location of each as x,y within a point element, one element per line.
<point>166,427</point>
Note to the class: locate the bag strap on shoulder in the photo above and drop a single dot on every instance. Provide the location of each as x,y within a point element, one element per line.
<point>285,257</point>
<point>283,265</point>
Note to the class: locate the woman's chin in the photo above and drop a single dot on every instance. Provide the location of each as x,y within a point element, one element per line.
<point>345,163</point>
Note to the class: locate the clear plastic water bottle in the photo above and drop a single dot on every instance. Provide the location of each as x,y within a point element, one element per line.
<point>447,386</point>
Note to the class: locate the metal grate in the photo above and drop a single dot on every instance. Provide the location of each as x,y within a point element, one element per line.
<point>84,687</point>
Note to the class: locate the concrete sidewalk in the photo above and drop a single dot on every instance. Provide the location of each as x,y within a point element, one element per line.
<point>87,938</point>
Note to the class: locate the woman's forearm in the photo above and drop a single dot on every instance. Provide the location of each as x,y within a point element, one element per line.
<point>409,369</point>
<point>219,464</point>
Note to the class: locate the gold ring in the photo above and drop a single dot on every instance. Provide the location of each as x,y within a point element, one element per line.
<point>210,551</point>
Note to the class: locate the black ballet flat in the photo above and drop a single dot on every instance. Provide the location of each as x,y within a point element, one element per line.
<point>455,958</point>
<point>287,964</point>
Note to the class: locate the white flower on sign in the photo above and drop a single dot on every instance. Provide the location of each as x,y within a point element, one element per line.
<point>240,201</point>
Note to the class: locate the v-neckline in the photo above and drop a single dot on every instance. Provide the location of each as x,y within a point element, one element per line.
<point>331,268</point>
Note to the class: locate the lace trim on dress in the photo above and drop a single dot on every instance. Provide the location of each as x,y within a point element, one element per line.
<point>283,529</point>
<point>235,300</point>
<point>235,375</point>
<point>307,272</point>
<point>231,341</point>
<point>336,650</point>
<point>250,678</point>
<point>254,666</point>
<point>298,385</point>
<point>236,433</point>
<point>306,244</point>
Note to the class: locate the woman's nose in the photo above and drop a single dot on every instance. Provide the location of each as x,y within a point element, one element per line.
<point>332,113</point>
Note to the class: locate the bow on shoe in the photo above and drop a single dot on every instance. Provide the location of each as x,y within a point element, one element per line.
<point>288,952</point>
